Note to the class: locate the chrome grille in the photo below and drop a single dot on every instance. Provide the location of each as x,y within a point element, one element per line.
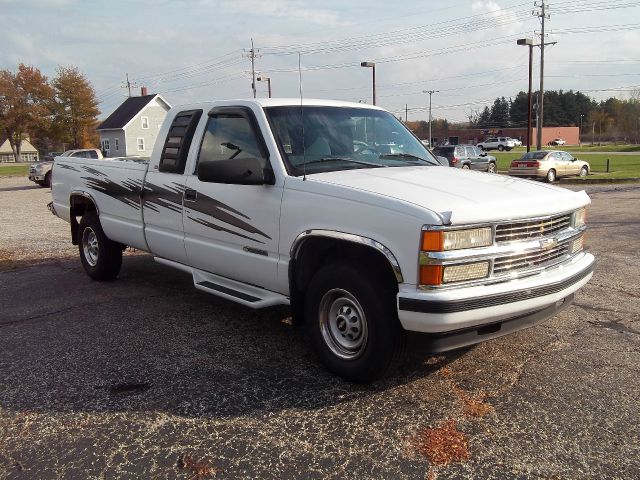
<point>531,260</point>
<point>528,229</point>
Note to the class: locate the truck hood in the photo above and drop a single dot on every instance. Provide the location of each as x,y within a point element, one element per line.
<point>460,196</point>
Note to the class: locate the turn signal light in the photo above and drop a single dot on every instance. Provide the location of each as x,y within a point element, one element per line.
<point>431,275</point>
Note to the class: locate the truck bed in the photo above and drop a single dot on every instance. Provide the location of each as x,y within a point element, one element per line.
<point>114,184</point>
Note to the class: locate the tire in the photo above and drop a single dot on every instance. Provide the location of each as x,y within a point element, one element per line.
<point>352,322</point>
<point>47,180</point>
<point>491,168</point>
<point>508,149</point>
<point>584,171</point>
<point>100,257</point>
<point>465,166</point>
<point>551,175</point>
<point>500,147</point>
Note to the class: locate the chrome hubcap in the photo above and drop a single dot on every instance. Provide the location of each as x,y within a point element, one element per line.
<point>90,246</point>
<point>343,324</point>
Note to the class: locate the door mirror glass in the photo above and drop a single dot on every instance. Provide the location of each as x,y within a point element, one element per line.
<point>239,171</point>
<point>231,151</point>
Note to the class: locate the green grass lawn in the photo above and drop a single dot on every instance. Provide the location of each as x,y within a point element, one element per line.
<point>7,170</point>
<point>620,166</point>
<point>586,147</point>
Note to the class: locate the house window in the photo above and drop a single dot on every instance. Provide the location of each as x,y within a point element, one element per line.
<point>140,144</point>
<point>105,144</point>
<point>145,122</point>
<point>116,144</point>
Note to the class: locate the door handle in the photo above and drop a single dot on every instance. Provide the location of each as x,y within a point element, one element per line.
<point>190,195</point>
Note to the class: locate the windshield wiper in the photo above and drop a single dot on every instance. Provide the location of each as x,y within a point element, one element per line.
<point>340,159</point>
<point>408,157</point>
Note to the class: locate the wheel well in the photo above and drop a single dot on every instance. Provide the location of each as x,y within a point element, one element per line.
<point>316,252</point>
<point>80,205</point>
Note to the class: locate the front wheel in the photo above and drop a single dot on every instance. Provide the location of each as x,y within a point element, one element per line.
<point>352,322</point>
<point>47,180</point>
<point>500,147</point>
<point>465,166</point>
<point>100,257</point>
<point>584,171</point>
<point>491,168</point>
<point>551,175</point>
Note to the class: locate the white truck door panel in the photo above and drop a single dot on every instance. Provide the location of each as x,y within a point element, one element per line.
<point>232,229</point>
<point>163,215</point>
<point>164,189</point>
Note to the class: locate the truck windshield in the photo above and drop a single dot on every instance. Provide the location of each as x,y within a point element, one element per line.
<point>317,139</point>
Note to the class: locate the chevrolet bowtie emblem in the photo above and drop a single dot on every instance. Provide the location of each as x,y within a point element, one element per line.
<point>548,243</point>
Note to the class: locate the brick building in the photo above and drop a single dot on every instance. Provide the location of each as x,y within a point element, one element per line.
<point>455,136</point>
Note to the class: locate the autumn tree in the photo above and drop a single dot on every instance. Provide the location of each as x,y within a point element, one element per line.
<point>75,108</point>
<point>25,104</point>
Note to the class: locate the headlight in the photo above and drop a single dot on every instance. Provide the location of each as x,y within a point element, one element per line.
<point>579,217</point>
<point>439,240</point>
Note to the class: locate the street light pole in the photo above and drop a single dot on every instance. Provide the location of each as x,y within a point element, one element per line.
<point>430,92</point>
<point>371,65</point>
<point>529,43</point>
<point>580,129</point>
<point>268,80</point>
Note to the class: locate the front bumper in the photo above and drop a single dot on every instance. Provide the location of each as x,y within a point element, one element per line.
<point>36,178</point>
<point>447,311</point>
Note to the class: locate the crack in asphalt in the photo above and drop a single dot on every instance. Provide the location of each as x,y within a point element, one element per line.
<point>617,326</point>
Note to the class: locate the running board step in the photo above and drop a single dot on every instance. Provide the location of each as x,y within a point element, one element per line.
<point>248,295</point>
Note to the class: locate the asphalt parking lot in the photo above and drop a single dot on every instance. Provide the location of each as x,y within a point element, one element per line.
<point>146,377</point>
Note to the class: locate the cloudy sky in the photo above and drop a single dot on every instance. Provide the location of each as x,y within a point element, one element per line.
<point>190,50</point>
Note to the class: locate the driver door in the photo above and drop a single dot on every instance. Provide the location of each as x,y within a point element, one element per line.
<point>232,229</point>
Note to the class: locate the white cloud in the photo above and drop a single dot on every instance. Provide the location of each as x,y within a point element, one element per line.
<point>293,9</point>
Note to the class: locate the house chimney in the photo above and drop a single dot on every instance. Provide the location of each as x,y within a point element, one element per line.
<point>143,91</point>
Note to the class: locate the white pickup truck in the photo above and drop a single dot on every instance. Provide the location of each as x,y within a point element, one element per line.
<point>338,210</point>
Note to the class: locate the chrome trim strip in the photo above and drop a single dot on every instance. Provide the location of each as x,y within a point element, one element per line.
<point>489,253</point>
<point>349,237</point>
<point>505,278</point>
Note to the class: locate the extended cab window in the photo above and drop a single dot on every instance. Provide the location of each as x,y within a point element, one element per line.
<point>229,136</point>
<point>176,146</point>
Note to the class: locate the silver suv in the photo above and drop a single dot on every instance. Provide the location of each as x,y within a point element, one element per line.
<point>40,172</point>
<point>497,143</point>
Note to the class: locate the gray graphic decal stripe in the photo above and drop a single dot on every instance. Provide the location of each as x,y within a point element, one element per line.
<point>127,193</point>
<point>67,167</point>
<point>208,224</point>
<point>216,209</point>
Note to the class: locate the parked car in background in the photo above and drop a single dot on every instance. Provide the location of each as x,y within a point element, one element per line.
<point>497,143</point>
<point>40,172</point>
<point>516,142</point>
<point>548,165</point>
<point>425,142</point>
<point>557,141</point>
<point>467,157</point>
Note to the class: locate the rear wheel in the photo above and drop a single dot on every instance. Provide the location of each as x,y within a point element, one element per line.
<point>491,168</point>
<point>551,175</point>
<point>100,257</point>
<point>352,322</point>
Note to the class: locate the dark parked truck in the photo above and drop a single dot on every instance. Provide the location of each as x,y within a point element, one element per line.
<point>339,211</point>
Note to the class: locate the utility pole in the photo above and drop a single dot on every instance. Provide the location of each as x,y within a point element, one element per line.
<point>430,92</point>
<point>406,112</point>
<point>252,54</point>
<point>543,15</point>
<point>128,85</point>
<point>580,129</point>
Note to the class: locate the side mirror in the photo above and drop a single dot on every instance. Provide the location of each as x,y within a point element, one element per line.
<point>238,171</point>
